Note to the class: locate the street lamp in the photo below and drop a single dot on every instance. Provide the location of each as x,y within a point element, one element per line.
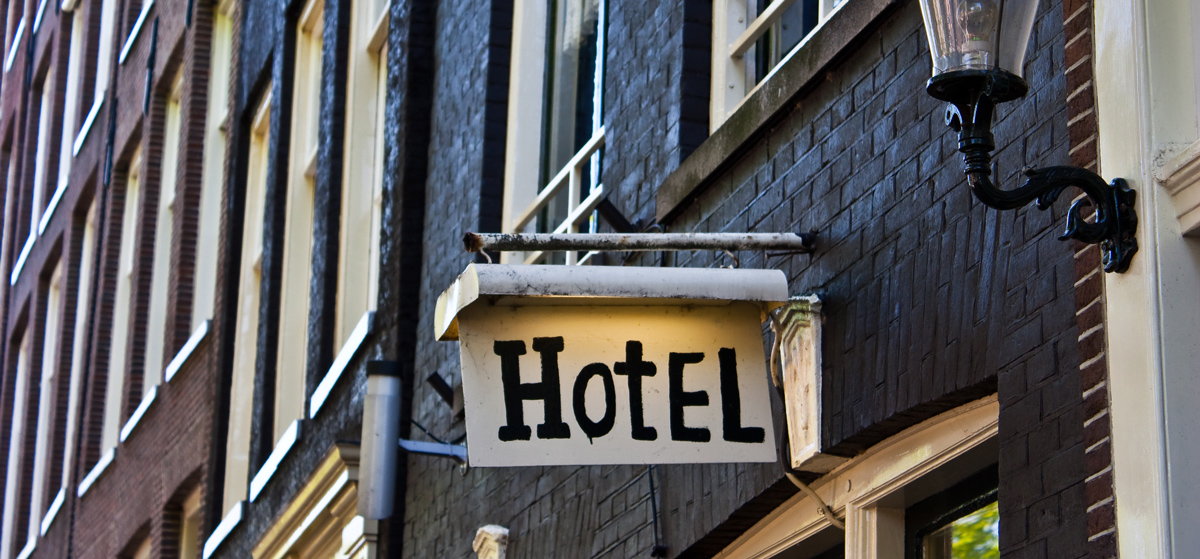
<point>978,49</point>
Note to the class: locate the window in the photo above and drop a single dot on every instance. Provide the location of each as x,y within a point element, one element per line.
<point>241,405</point>
<point>362,182</point>
<point>52,323</point>
<point>103,47</point>
<point>119,343</point>
<point>189,532</point>
<point>15,527</point>
<point>72,97</point>
<point>86,232</point>
<point>321,520</point>
<point>962,522</point>
<point>14,29</point>
<point>135,17</point>
<point>42,187</point>
<point>903,493</point>
<point>156,330</point>
<point>555,119</point>
<point>745,54</point>
<point>298,224</point>
<point>204,282</point>
<point>16,11</point>
<point>142,551</point>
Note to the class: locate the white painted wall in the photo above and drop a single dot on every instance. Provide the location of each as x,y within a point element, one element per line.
<point>1145,86</point>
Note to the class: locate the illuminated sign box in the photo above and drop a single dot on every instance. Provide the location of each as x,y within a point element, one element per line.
<point>612,365</point>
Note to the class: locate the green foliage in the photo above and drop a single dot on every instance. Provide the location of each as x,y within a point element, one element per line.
<point>977,535</point>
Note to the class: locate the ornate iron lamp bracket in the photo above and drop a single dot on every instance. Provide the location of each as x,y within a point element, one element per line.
<point>972,95</point>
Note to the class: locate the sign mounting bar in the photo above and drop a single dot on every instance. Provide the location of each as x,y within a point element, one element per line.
<point>624,242</point>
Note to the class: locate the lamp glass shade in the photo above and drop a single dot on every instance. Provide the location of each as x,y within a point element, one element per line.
<point>978,34</point>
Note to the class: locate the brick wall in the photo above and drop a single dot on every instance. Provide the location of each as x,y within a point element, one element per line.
<point>1089,291</point>
<point>168,452</point>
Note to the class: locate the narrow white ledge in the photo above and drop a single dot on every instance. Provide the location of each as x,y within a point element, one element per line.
<point>87,123</point>
<point>318,509</point>
<point>30,545</point>
<point>58,194</point>
<point>365,326</point>
<point>92,476</point>
<point>20,265</point>
<point>186,351</point>
<point>268,469</point>
<point>223,529</point>
<point>136,417</point>
<point>37,21</point>
<point>12,51</point>
<point>52,513</point>
<point>133,33</point>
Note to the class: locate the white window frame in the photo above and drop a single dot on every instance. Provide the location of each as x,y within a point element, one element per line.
<point>135,30</point>
<point>41,160</point>
<point>733,36</point>
<point>868,492</point>
<point>108,17</point>
<point>321,520</point>
<point>292,345</point>
<point>189,527</point>
<point>122,307</point>
<point>70,111</point>
<point>142,551</point>
<point>8,525</point>
<point>524,197</point>
<point>52,326</point>
<point>80,336</point>
<point>204,279</point>
<point>362,173</point>
<point>241,400</point>
<point>164,226</point>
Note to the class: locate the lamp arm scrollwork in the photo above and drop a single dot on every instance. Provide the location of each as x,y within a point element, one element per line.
<point>1116,219</point>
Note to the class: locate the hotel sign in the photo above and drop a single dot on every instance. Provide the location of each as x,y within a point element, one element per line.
<point>604,365</point>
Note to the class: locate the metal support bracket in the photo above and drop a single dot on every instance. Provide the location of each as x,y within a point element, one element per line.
<point>456,452</point>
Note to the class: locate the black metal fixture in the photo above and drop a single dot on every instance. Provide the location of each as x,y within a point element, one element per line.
<point>978,50</point>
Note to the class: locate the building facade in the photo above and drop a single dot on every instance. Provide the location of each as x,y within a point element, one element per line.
<point>219,214</point>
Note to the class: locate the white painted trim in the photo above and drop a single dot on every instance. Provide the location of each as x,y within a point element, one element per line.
<point>69,5</point>
<point>87,122</point>
<point>186,351</point>
<point>30,545</point>
<point>758,27</point>
<point>286,442</point>
<point>136,417</point>
<point>318,509</point>
<point>365,326</point>
<point>58,193</point>
<point>231,520</point>
<point>859,488</point>
<point>133,33</point>
<point>52,512</point>
<point>732,38</point>
<point>12,51</point>
<point>20,265</point>
<point>1146,109</point>
<point>1181,176</point>
<point>37,20</point>
<point>97,470</point>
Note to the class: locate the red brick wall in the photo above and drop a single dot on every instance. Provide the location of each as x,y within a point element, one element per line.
<point>167,456</point>
<point>1089,290</point>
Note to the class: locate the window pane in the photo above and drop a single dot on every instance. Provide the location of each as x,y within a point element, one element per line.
<point>571,82</point>
<point>975,536</point>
